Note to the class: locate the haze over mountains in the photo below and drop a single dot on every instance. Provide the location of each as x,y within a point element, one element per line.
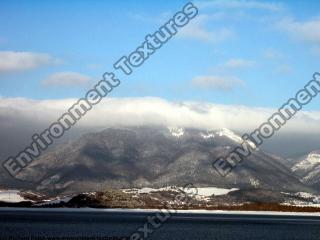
<point>21,118</point>
<point>161,156</point>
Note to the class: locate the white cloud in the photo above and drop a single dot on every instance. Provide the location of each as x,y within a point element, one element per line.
<point>21,118</point>
<point>149,110</point>
<point>307,31</point>
<point>197,30</point>
<point>240,4</point>
<point>11,61</point>
<point>66,79</point>
<point>224,83</point>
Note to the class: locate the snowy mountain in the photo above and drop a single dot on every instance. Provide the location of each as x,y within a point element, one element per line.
<point>154,157</point>
<point>308,168</point>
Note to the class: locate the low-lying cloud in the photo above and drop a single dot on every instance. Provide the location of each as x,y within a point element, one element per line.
<point>151,111</point>
<point>20,118</point>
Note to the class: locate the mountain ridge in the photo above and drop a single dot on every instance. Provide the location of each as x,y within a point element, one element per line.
<point>154,157</point>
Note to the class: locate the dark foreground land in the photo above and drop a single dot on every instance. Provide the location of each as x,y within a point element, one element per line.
<point>112,224</point>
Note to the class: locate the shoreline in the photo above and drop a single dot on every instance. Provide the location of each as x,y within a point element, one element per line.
<point>140,210</point>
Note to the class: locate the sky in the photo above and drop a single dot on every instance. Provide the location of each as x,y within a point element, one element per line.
<point>236,61</point>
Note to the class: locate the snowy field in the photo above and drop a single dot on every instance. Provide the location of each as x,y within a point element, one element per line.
<point>10,196</point>
<point>202,191</point>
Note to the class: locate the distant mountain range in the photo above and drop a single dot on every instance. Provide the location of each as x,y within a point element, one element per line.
<point>163,156</point>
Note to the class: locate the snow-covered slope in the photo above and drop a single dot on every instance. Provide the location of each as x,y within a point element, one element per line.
<point>229,134</point>
<point>11,196</point>
<point>308,167</point>
<point>200,191</point>
<point>154,157</point>
<point>309,162</point>
<point>224,132</point>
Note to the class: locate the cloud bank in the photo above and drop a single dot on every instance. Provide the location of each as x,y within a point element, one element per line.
<point>150,111</point>
<point>20,118</point>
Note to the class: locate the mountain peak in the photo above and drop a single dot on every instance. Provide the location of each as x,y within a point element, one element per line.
<point>313,158</point>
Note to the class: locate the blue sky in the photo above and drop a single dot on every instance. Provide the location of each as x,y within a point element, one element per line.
<point>252,53</point>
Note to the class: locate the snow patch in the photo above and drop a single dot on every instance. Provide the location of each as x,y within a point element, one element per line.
<point>234,137</point>
<point>313,175</point>
<point>229,134</point>
<point>207,135</point>
<point>302,199</point>
<point>309,162</point>
<point>11,196</point>
<point>149,190</point>
<point>304,195</point>
<point>254,182</point>
<point>209,191</point>
<point>176,132</point>
<point>201,191</point>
